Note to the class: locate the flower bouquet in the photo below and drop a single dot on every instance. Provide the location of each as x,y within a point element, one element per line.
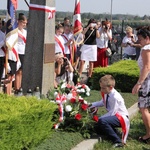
<point>73,112</point>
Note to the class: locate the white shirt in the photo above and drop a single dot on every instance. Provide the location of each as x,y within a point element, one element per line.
<point>129,49</point>
<point>57,46</point>
<point>115,104</point>
<point>140,60</point>
<point>68,36</point>
<point>21,44</point>
<point>102,42</point>
<point>2,43</point>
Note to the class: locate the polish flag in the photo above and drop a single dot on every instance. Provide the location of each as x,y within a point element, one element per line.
<point>15,3</point>
<point>77,18</point>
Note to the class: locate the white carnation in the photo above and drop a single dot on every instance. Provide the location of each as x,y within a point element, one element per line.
<point>82,90</point>
<point>85,102</point>
<point>68,108</point>
<point>79,86</point>
<point>64,102</point>
<point>69,96</point>
<point>78,91</point>
<point>63,85</point>
<point>87,89</point>
<point>55,94</point>
<point>87,93</point>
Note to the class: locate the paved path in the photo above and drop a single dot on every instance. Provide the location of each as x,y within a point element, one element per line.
<point>89,143</point>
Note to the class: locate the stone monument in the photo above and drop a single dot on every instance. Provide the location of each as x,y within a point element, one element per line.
<point>38,68</point>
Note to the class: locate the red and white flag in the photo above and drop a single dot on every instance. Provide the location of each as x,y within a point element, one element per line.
<point>77,18</point>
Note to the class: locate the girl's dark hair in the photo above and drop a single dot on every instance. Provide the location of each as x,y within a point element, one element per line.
<point>22,17</point>
<point>91,21</point>
<point>144,31</point>
<point>58,26</point>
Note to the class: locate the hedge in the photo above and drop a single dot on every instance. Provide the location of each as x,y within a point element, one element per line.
<point>125,72</point>
<point>24,121</point>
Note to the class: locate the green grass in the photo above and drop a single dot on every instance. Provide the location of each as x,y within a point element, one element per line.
<point>66,141</point>
<point>128,98</point>
<point>136,129</point>
<point>60,141</point>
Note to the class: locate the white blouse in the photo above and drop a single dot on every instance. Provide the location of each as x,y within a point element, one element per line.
<point>102,42</point>
<point>140,60</point>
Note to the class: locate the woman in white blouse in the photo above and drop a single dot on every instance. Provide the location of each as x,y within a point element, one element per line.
<point>102,44</point>
<point>142,87</point>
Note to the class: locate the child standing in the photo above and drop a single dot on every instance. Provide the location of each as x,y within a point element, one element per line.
<point>117,114</point>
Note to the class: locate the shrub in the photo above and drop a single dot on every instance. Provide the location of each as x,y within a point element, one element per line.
<point>24,122</point>
<point>125,72</point>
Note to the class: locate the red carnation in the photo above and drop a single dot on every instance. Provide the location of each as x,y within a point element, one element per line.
<point>84,106</point>
<point>78,84</point>
<point>81,100</point>
<point>73,100</point>
<point>95,118</point>
<point>78,116</point>
<point>68,86</point>
<point>83,86</point>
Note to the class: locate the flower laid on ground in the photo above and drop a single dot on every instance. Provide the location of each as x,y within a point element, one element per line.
<point>73,109</point>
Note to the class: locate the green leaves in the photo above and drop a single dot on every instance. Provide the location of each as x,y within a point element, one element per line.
<point>24,122</point>
<point>125,72</point>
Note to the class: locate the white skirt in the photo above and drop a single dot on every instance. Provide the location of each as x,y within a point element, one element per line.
<point>89,52</point>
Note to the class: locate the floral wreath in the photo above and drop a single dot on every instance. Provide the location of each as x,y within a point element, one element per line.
<point>74,112</point>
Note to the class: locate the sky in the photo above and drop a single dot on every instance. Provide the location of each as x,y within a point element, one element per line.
<point>134,7</point>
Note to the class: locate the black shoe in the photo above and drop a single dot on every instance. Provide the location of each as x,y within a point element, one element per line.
<point>118,145</point>
<point>146,141</point>
<point>16,92</point>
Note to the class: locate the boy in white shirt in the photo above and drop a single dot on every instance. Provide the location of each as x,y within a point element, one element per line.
<point>117,114</point>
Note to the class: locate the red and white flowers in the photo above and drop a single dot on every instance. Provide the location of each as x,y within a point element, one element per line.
<point>73,108</point>
<point>82,89</point>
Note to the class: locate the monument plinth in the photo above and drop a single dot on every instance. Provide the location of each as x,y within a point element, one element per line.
<point>38,68</point>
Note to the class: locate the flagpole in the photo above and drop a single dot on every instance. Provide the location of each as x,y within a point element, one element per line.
<point>26,3</point>
<point>6,62</point>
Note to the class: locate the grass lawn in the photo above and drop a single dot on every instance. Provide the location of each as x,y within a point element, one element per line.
<point>66,141</point>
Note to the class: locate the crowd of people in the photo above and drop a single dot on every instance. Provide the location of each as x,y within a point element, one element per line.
<point>71,53</point>
<point>14,58</point>
<point>88,46</point>
<point>95,39</point>
<point>92,43</point>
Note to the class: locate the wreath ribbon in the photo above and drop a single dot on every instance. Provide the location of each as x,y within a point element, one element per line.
<point>50,10</point>
<point>60,100</point>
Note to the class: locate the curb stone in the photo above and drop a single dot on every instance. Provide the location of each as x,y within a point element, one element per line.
<point>89,143</point>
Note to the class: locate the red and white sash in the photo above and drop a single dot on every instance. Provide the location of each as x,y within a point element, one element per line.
<point>103,96</point>
<point>60,44</point>
<point>66,40</point>
<point>125,125</point>
<point>68,47</point>
<point>22,37</point>
<point>15,53</point>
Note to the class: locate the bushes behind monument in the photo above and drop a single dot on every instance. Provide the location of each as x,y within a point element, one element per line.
<point>125,72</point>
<point>24,122</point>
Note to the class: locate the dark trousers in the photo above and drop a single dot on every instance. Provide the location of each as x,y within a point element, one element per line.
<point>107,126</point>
<point>2,61</point>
